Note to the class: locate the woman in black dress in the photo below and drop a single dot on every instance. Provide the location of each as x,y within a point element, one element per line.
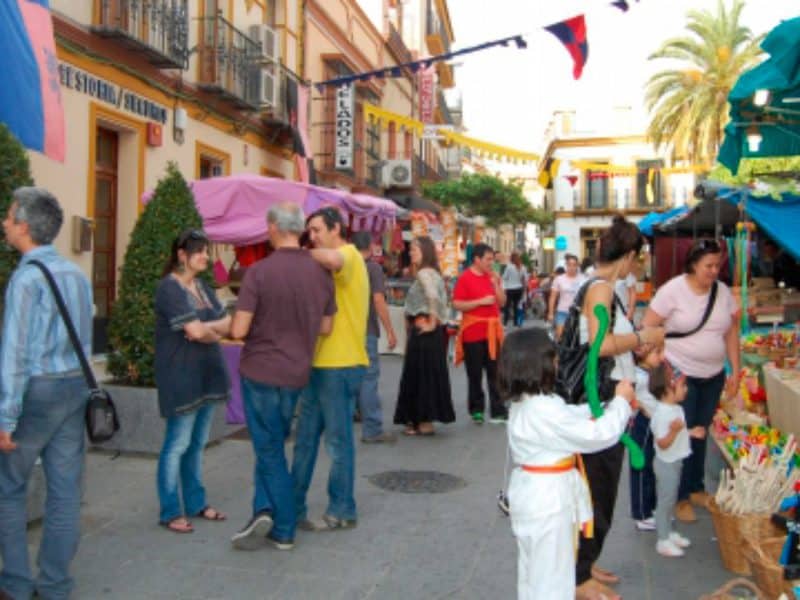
<point>424,394</point>
<point>191,378</point>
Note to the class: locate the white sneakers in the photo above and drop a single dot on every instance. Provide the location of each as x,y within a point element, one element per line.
<point>648,524</point>
<point>673,546</point>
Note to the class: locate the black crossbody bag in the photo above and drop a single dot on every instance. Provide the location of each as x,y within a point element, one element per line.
<point>709,307</point>
<point>101,414</point>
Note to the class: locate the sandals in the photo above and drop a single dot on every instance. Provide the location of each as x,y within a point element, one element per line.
<point>410,430</point>
<point>179,525</point>
<point>210,514</point>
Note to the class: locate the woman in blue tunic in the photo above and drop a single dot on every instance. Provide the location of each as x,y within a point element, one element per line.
<point>191,378</point>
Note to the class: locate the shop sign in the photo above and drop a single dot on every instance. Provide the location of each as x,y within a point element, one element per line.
<point>345,127</point>
<point>75,79</point>
<point>427,98</point>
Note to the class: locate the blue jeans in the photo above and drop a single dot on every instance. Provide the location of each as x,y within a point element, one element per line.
<point>181,462</point>
<point>369,402</point>
<point>51,426</point>
<point>327,406</point>
<point>269,411</point>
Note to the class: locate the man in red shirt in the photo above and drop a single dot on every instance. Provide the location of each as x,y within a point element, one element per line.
<point>478,295</point>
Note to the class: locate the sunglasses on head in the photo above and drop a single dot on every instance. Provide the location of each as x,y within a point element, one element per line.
<point>191,234</point>
<point>707,246</point>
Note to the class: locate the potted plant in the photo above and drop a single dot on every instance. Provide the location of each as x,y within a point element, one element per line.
<point>132,323</point>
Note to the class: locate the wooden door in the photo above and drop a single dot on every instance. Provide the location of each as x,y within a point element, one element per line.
<point>104,251</point>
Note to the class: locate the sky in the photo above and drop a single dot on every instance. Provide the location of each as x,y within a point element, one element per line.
<point>509,95</point>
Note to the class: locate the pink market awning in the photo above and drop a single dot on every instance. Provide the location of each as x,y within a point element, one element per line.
<point>234,208</point>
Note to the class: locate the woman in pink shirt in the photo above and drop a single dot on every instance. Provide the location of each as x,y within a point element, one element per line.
<point>563,291</point>
<point>680,305</point>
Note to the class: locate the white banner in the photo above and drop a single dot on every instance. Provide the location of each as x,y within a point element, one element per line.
<point>345,127</point>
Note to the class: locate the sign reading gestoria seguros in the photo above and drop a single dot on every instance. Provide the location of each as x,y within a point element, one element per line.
<point>345,127</point>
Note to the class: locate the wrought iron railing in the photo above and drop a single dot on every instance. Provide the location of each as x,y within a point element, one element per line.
<point>435,26</point>
<point>229,61</point>
<point>158,28</point>
<point>396,43</point>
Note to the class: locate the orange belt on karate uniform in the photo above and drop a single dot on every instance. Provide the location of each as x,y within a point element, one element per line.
<point>571,462</point>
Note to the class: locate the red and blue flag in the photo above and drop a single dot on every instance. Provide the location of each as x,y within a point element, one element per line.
<point>572,33</point>
<point>30,97</point>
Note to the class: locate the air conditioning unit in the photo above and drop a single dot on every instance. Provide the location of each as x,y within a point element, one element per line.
<point>397,173</point>
<point>268,38</point>
<point>266,95</point>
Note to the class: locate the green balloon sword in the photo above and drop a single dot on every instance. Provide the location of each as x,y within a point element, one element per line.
<point>590,383</point>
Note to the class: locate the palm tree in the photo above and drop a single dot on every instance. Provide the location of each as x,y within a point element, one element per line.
<point>689,104</point>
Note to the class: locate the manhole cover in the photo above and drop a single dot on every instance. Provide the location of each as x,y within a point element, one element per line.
<point>417,482</point>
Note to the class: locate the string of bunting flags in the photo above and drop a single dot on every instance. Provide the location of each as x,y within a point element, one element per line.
<point>570,32</point>
<point>383,118</point>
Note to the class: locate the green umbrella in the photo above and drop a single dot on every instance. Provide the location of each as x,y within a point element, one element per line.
<point>766,125</point>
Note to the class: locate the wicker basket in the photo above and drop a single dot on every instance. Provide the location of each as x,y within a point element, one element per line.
<point>763,559</point>
<point>732,591</point>
<point>756,527</point>
<point>726,526</point>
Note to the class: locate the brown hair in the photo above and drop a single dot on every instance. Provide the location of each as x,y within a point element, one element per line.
<point>618,240</point>
<point>428,248</point>
<point>700,249</point>
<point>190,241</point>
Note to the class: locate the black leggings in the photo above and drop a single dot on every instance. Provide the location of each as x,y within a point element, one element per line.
<point>602,470</point>
<point>512,300</point>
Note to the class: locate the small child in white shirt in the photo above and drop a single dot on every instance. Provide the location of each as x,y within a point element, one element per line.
<point>668,424</point>
<point>643,481</point>
<point>548,494</point>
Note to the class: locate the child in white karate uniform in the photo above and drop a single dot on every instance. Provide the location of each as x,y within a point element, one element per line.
<point>668,424</point>
<point>548,494</point>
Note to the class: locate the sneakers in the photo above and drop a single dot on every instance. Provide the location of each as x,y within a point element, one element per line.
<point>381,438</point>
<point>279,544</point>
<point>252,536</point>
<point>700,499</point>
<point>680,541</point>
<point>501,420</point>
<point>477,418</point>
<point>684,512</point>
<point>668,549</point>
<point>648,524</point>
<point>326,523</point>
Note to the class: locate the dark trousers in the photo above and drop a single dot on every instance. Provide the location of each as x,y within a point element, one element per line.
<point>702,399</point>
<point>602,470</point>
<point>643,481</point>
<point>476,360</point>
<point>510,309</point>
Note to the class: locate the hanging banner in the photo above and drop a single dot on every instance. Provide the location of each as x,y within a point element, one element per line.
<point>449,257</point>
<point>345,127</point>
<point>427,96</point>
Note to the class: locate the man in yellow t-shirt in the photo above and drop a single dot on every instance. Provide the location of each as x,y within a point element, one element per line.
<point>338,368</point>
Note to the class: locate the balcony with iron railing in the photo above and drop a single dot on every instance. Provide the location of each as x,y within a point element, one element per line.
<point>229,62</point>
<point>396,44</point>
<point>436,34</point>
<point>156,29</point>
<point>425,172</point>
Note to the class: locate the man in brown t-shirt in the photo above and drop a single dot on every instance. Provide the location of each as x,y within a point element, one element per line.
<point>286,301</point>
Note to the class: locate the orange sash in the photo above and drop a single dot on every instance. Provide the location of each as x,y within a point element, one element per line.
<point>494,335</point>
<point>571,462</point>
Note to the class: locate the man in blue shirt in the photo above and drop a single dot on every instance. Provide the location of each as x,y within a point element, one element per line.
<point>42,399</point>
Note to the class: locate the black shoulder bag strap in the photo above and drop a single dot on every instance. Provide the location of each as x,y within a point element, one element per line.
<point>73,335</point>
<point>709,307</point>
